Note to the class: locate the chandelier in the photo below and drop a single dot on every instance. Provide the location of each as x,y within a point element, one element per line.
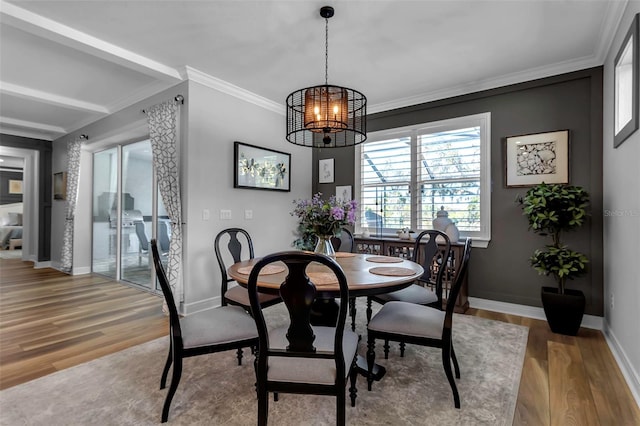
<point>326,116</point>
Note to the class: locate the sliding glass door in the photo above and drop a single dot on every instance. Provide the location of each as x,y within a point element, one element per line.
<point>127,214</point>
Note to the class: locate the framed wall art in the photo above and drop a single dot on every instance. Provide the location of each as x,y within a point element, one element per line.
<point>15,186</point>
<point>261,168</point>
<point>60,186</point>
<point>325,170</point>
<point>625,93</point>
<point>536,158</point>
<point>343,193</point>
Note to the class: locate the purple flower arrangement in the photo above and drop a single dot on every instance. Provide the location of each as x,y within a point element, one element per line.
<point>325,217</point>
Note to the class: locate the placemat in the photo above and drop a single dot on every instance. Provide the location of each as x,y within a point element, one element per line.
<point>322,278</point>
<point>384,259</point>
<point>392,271</point>
<point>344,254</point>
<point>267,270</point>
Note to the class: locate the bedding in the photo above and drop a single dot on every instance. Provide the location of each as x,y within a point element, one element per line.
<point>10,224</point>
<point>8,233</point>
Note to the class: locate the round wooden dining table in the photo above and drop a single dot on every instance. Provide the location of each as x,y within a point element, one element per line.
<point>366,274</point>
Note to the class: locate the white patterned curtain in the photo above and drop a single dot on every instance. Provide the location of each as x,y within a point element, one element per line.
<point>162,120</point>
<point>73,175</point>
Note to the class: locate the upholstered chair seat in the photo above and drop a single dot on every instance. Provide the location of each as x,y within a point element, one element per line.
<point>415,293</point>
<point>310,370</point>
<point>225,324</point>
<point>408,319</point>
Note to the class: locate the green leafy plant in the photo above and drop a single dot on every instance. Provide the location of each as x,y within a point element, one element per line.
<point>550,210</point>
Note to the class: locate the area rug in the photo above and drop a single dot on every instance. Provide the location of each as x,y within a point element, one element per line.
<point>123,388</point>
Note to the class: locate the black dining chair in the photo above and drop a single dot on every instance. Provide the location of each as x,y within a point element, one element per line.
<point>212,330</point>
<point>300,358</point>
<point>344,243</point>
<point>237,242</point>
<point>421,325</point>
<point>432,250</point>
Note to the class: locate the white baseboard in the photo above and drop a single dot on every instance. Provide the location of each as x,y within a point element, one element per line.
<point>631,376</point>
<point>81,271</point>
<point>588,321</point>
<point>41,265</point>
<point>200,305</point>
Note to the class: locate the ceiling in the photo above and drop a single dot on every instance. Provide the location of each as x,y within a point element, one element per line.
<point>66,64</point>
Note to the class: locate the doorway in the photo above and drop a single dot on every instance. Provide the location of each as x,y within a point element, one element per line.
<point>127,214</point>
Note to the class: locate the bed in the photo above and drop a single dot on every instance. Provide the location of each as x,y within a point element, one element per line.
<point>11,226</point>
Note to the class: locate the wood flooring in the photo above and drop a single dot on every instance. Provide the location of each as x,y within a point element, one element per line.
<point>50,321</point>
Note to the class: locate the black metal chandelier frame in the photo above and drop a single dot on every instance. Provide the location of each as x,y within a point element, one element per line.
<point>326,116</point>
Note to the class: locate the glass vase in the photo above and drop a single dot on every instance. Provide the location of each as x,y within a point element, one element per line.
<point>325,246</point>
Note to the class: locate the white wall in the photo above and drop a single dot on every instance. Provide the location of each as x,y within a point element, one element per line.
<point>621,228</point>
<point>216,120</point>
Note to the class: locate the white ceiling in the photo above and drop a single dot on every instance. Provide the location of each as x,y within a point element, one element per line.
<point>65,64</point>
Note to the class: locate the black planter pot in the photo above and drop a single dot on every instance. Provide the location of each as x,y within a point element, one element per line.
<point>564,311</point>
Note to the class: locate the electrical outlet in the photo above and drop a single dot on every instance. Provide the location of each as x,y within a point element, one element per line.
<point>206,214</point>
<point>248,214</point>
<point>611,301</point>
<point>225,214</point>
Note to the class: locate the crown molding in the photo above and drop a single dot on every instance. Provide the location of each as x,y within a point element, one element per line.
<point>492,83</point>
<point>231,89</point>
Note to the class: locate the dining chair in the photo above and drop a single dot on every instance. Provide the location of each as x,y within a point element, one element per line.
<point>163,236</point>
<point>345,243</point>
<point>143,241</point>
<point>421,325</point>
<point>237,241</point>
<point>432,250</point>
<point>297,357</point>
<point>212,330</point>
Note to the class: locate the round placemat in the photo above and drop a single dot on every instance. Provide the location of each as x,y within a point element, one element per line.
<point>322,278</point>
<point>392,271</point>
<point>344,254</point>
<point>384,259</point>
<point>267,270</point>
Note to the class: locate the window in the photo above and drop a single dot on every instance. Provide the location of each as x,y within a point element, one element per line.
<point>406,175</point>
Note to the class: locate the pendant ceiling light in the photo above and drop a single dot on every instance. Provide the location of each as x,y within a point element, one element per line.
<point>326,116</point>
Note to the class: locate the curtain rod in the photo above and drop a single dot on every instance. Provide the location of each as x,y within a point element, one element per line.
<point>179,99</point>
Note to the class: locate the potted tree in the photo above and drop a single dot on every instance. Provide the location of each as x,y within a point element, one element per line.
<point>552,209</point>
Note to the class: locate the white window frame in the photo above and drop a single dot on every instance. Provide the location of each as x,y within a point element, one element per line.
<point>483,120</point>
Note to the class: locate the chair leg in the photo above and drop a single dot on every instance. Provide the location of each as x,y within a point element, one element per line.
<point>167,365</point>
<point>352,311</point>
<point>386,349</point>
<point>341,415</point>
<point>402,347</point>
<point>353,376</point>
<point>455,362</point>
<point>369,310</point>
<point>371,357</point>
<point>175,380</point>
<point>446,363</point>
<point>239,355</point>
<point>263,406</point>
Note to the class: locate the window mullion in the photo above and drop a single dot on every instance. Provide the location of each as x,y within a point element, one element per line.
<point>413,185</point>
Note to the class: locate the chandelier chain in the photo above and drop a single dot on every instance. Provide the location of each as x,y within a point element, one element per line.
<point>326,51</point>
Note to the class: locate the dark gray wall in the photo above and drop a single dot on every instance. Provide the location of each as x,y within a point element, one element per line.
<point>44,185</point>
<point>571,101</point>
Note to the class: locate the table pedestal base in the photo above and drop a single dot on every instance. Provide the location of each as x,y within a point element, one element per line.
<point>324,312</point>
<point>377,373</point>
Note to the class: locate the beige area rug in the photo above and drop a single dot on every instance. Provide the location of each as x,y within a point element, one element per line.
<point>123,388</point>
